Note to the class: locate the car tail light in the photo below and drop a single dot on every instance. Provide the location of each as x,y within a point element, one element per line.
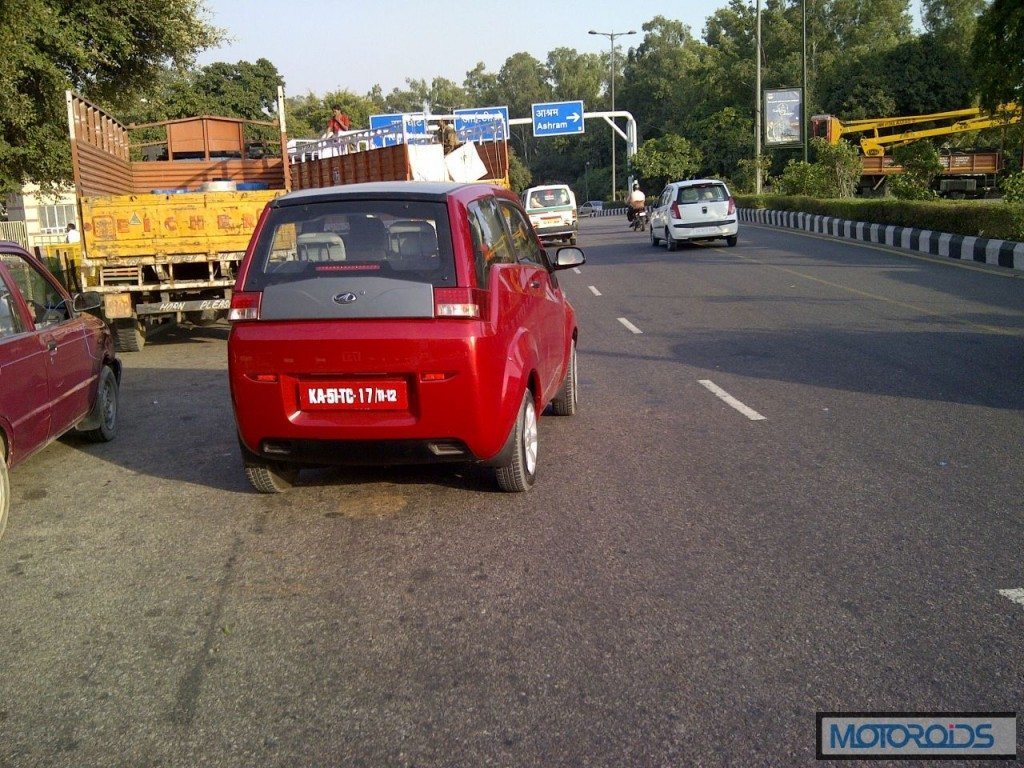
<point>675,211</point>
<point>469,303</point>
<point>245,305</point>
<point>732,206</point>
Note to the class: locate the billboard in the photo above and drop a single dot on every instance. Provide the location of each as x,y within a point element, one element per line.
<point>783,112</point>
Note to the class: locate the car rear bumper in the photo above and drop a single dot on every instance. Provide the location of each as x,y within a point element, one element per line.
<point>705,230</point>
<point>557,232</point>
<point>468,409</point>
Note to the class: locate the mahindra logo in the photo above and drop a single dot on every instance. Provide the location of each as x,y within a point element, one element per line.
<point>344,298</point>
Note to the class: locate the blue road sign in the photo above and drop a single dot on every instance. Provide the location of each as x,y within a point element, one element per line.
<point>474,117</point>
<point>558,118</point>
<point>415,123</point>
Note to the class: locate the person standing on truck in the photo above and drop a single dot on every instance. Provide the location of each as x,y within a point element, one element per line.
<point>339,121</point>
<point>637,201</point>
<point>73,235</point>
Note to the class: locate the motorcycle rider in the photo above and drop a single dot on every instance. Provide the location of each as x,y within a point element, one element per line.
<point>637,201</point>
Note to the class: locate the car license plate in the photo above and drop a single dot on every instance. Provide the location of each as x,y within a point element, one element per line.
<point>706,231</point>
<point>375,395</point>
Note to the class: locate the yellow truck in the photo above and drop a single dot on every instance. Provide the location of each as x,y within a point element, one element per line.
<point>167,210</point>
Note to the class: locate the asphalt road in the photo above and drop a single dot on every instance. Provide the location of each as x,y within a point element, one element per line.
<point>685,585</point>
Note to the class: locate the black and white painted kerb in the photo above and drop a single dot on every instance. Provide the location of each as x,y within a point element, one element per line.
<point>1005,253</point>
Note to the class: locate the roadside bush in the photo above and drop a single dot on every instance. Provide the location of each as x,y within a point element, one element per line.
<point>981,218</point>
<point>1013,188</point>
<point>840,167</point>
<point>921,165</point>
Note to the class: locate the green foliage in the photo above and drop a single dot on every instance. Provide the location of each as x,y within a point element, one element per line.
<point>518,174</point>
<point>745,177</point>
<point>980,218</point>
<point>800,178</point>
<point>920,161</point>
<point>1013,188</point>
<point>109,50</point>
<point>840,167</point>
<point>670,158</point>
<point>996,53</point>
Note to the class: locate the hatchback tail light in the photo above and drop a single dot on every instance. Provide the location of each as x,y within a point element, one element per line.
<point>468,303</point>
<point>675,211</point>
<point>245,305</point>
<point>732,206</point>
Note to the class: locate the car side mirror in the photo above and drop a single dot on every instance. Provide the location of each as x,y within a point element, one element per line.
<point>83,302</point>
<point>569,257</point>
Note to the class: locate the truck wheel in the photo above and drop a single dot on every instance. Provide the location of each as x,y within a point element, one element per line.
<point>565,401</point>
<point>105,408</point>
<point>520,472</point>
<point>130,335</point>
<point>271,478</point>
<point>5,489</point>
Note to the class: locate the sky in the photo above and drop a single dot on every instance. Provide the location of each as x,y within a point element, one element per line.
<point>325,45</point>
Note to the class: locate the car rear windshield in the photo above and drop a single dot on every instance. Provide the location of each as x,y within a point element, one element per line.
<point>394,239</point>
<point>548,198</point>
<point>702,193</point>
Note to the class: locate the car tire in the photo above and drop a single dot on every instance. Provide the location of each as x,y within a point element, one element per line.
<point>520,472</point>
<point>105,408</point>
<point>271,478</point>
<point>655,241</point>
<point>566,400</point>
<point>5,489</point>
<point>129,335</point>
<point>731,241</point>
<point>670,242</point>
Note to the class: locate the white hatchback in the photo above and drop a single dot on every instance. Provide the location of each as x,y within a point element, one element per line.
<point>696,209</point>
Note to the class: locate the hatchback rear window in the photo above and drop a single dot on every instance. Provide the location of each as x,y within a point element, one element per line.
<point>393,239</point>
<point>702,193</point>
<point>548,198</point>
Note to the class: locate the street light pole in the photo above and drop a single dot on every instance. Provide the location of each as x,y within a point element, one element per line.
<point>611,37</point>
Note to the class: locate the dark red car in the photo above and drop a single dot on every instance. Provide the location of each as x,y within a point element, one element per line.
<point>58,370</point>
<point>400,322</point>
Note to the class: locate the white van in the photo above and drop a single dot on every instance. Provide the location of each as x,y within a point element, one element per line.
<point>552,211</point>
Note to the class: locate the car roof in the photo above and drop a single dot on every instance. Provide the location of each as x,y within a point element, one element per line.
<point>697,182</point>
<point>436,191</point>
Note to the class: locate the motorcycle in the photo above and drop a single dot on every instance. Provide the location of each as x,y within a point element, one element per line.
<point>639,220</point>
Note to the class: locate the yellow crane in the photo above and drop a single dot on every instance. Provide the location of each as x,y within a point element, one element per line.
<point>874,142</point>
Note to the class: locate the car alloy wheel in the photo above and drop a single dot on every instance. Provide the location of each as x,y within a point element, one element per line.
<point>520,471</point>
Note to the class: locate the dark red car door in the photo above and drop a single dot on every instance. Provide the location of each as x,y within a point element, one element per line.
<point>24,393</point>
<point>71,362</point>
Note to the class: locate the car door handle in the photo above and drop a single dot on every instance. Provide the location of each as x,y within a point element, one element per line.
<point>51,345</point>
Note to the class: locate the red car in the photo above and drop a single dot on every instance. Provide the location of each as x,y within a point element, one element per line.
<point>398,322</point>
<point>58,370</point>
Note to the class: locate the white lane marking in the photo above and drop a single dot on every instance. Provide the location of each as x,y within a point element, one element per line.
<point>577,270</point>
<point>1017,595</point>
<point>594,290</point>
<point>721,394</point>
<point>632,328</point>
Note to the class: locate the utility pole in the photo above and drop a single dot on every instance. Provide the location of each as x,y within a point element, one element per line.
<point>803,98</point>
<point>611,37</point>
<point>757,116</point>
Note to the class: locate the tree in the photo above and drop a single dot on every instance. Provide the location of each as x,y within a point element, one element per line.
<point>996,53</point>
<point>726,137</point>
<point>670,158</point>
<point>108,50</point>
<point>952,22</point>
